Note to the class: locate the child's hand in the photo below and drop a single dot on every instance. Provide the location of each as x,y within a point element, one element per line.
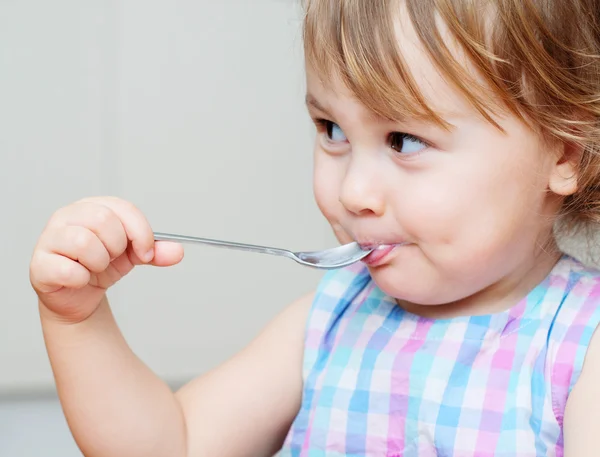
<point>86,248</point>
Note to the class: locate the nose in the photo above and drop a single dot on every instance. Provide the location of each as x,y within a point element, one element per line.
<point>361,190</point>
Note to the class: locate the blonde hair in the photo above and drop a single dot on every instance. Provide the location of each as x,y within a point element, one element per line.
<point>538,58</point>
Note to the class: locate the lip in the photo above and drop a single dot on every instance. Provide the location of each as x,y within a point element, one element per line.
<point>375,242</point>
<point>378,256</point>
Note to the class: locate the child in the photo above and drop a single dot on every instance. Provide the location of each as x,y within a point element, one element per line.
<point>452,135</point>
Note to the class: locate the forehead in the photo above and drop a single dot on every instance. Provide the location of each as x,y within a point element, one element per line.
<point>433,89</point>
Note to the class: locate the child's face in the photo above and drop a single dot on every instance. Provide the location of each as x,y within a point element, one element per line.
<point>473,204</point>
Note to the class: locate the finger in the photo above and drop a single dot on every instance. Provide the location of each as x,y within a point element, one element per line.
<point>134,222</point>
<point>51,272</point>
<point>167,254</point>
<point>79,244</point>
<point>101,220</point>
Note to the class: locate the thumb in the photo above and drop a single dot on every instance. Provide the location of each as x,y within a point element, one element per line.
<point>166,254</point>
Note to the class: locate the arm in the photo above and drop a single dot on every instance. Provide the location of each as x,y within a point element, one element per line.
<point>116,406</point>
<point>581,426</point>
<point>245,407</point>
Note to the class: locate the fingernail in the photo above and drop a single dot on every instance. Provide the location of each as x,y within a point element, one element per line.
<point>148,256</point>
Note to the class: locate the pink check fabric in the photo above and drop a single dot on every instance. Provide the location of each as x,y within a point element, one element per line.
<point>379,381</point>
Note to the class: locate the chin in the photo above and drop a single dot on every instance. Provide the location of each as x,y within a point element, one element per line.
<point>408,284</point>
<point>394,283</point>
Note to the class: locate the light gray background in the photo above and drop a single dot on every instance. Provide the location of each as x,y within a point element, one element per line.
<point>194,111</point>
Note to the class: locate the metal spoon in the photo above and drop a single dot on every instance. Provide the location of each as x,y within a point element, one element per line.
<point>328,259</point>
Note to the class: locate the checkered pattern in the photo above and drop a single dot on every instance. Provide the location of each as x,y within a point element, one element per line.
<point>382,382</point>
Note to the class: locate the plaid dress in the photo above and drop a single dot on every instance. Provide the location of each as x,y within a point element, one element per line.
<point>379,381</point>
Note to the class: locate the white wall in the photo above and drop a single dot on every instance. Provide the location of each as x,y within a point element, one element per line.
<point>194,111</point>
<point>34,427</point>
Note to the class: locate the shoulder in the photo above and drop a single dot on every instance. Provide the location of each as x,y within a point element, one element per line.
<point>582,414</point>
<point>581,310</point>
<point>575,345</point>
<point>577,287</point>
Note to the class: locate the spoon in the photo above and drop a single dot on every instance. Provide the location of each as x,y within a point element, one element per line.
<point>328,259</point>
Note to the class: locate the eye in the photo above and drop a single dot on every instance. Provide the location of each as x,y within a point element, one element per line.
<point>406,144</point>
<point>334,133</point>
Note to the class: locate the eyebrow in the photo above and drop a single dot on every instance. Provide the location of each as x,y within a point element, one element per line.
<point>311,101</point>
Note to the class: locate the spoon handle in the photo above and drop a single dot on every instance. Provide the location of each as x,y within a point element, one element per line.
<point>158,236</point>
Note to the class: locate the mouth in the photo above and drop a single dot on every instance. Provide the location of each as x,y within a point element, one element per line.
<point>379,254</point>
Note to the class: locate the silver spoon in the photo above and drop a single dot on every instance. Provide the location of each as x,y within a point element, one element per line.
<point>328,259</point>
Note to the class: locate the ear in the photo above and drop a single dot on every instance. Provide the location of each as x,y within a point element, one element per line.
<point>564,176</point>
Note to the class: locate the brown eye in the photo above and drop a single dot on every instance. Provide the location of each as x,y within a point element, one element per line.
<point>396,141</point>
<point>405,144</point>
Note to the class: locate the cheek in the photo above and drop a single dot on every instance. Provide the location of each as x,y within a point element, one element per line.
<point>481,202</point>
<point>431,209</point>
<point>326,188</point>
